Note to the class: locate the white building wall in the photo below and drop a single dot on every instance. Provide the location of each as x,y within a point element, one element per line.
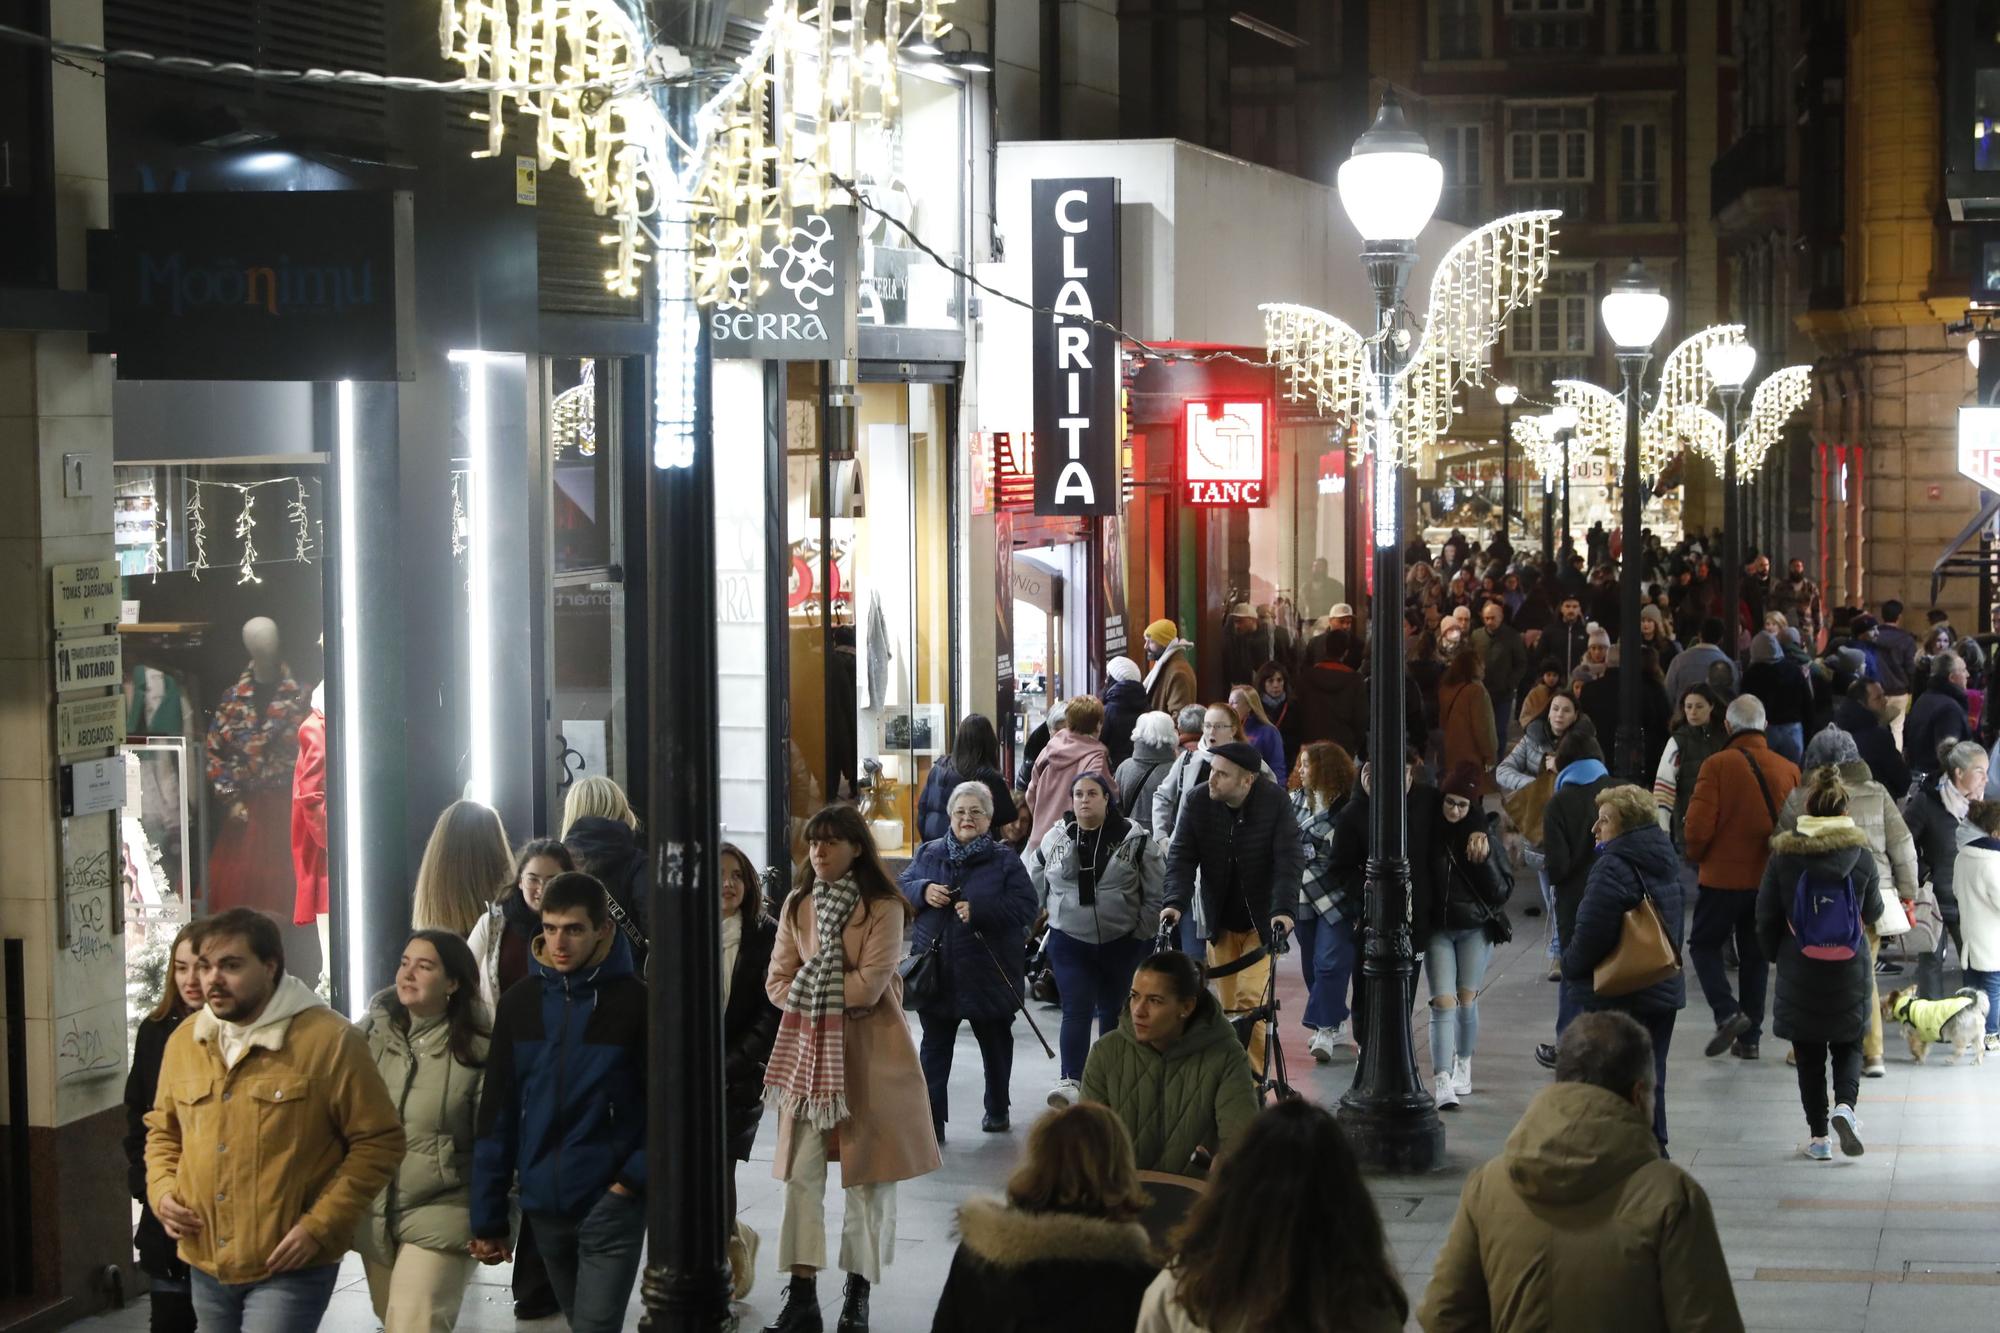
<point>741,670</point>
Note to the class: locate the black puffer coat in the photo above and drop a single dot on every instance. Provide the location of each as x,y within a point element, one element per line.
<point>1939,834</point>
<point>1261,837</point>
<point>1448,889</point>
<point>159,1256</point>
<point>982,980</point>
<point>1631,866</point>
<point>1124,701</point>
<point>749,1027</point>
<point>1817,1000</point>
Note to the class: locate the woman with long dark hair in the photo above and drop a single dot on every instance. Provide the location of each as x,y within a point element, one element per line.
<point>1286,1237</point>
<point>506,933</point>
<point>428,1035</point>
<point>749,1026</point>
<point>159,1256</point>
<point>1322,780</point>
<point>974,757</point>
<point>843,1063</point>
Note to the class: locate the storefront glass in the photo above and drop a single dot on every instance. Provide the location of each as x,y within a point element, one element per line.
<point>868,607</point>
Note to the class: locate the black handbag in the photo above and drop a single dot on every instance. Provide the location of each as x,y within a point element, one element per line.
<point>923,976</point>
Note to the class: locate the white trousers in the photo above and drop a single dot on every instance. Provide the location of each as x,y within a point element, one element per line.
<point>867,1223</point>
<point>420,1290</point>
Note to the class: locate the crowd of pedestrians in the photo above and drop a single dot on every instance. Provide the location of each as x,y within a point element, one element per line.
<point>1814,799</point>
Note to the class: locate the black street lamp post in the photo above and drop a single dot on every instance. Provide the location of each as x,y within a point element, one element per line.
<point>1505,395</point>
<point>1634,312</point>
<point>1389,186</point>
<point>1729,365</point>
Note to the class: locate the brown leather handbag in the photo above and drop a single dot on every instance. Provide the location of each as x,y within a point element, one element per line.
<point>1526,806</point>
<point>1644,957</point>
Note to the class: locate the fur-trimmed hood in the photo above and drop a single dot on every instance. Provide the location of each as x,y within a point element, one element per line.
<point>1816,838</point>
<point>1009,1237</point>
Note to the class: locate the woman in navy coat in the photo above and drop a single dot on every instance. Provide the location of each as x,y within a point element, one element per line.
<point>973,901</point>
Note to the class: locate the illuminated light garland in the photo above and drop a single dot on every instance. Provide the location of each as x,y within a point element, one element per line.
<point>1684,382</point>
<point>742,175</point>
<point>246,527</point>
<point>461,522</point>
<point>1782,393</point>
<point>1697,428</point>
<point>1479,283</point>
<point>301,525</point>
<point>1535,437</point>
<point>1600,419</point>
<point>573,415</point>
<point>197,523</point>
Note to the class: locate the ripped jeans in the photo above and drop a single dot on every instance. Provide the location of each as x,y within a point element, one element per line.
<point>1455,965</point>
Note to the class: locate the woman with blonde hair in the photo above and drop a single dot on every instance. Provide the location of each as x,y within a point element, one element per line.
<point>1064,1248</point>
<point>467,863</point>
<point>1258,727</point>
<point>602,833</point>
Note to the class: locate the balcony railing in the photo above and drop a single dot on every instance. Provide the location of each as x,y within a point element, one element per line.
<point>1754,162</point>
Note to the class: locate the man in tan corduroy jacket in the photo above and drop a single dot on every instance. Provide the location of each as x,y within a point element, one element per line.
<point>270,1134</point>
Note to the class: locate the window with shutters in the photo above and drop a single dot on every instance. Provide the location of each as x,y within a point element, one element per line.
<point>1461,29</point>
<point>1548,25</point>
<point>1558,324</point>
<point>1458,148</point>
<point>1639,27</point>
<point>1638,173</point>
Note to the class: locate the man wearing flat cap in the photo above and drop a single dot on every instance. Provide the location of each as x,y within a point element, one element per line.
<point>1237,845</point>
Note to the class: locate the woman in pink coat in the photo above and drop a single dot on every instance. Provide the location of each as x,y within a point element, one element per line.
<point>843,1074</point>
<point>1070,752</point>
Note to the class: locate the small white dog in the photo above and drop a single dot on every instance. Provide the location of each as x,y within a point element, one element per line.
<point>1958,1020</point>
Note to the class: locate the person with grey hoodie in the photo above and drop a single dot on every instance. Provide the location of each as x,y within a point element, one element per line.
<point>1155,742</point>
<point>1101,878</point>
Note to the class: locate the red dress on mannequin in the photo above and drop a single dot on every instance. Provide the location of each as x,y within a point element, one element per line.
<point>309,821</point>
<point>253,740</point>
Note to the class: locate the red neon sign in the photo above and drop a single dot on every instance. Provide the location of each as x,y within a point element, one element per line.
<point>1225,454</point>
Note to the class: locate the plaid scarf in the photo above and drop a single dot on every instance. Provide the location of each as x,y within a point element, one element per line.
<point>806,1077</point>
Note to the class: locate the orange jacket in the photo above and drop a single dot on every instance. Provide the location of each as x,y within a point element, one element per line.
<point>1728,825</point>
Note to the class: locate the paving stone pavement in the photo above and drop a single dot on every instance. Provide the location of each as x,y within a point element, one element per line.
<point>1903,1238</point>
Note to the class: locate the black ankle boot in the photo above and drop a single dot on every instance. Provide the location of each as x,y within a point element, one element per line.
<point>854,1310</point>
<point>800,1312</point>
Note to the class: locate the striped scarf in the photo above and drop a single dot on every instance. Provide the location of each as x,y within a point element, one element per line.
<point>806,1077</point>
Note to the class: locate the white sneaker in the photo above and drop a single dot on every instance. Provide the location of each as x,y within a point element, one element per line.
<point>1065,1093</point>
<point>1447,1099</point>
<point>1461,1075</point>
<point>1322,1044</point>
<point>1875,1069</point>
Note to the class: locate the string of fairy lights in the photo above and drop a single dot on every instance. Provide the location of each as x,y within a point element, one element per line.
<point>297,514</point>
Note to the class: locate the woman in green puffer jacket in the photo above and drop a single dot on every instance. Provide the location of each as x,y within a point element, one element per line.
<point>428,1036</point>
<point>1174,1070</point>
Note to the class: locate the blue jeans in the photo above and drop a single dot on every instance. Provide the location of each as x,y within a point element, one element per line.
<point>291,1302</point>
<point>593,1260</point>
<point>1094,980</point>
<point>1326,958</point>
<point>1540,866</point>
<point>1788,739</point>
<point>1455,965</point>
<point>1988,982</point>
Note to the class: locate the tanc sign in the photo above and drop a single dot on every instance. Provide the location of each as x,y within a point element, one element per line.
<point>1225,454</point>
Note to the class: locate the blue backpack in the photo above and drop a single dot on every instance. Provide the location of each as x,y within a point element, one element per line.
<point>1826,919</point>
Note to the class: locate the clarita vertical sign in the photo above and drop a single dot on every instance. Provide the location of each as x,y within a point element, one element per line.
<point>1075,264</point>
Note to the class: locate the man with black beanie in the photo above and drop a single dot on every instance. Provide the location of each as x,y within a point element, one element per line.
<point>1238,842</point>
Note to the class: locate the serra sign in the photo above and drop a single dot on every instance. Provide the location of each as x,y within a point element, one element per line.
<point>1074,265</point>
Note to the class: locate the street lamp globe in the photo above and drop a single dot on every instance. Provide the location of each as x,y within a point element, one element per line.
<point>1634,310</point>
<point>1564,417</point>
<point>1506,395</point>
<point>1729,364</point>
<point>1391,183</point>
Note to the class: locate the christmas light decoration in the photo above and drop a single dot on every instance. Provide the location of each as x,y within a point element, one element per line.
<point>764,142</point>
<point>1535,437</point>
<point>197,525</point>
<point>301,525</point>
<point>1782,393</point>
<point>1684,382</point>
<point>573,416</point>
<point>1600,424</point>
<point>1479,283</point>
<point>296,513</point>
<point>246,527</point>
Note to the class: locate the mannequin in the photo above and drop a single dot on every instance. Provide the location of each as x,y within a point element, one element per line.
<point>309,825</point>
<point>252,755</point>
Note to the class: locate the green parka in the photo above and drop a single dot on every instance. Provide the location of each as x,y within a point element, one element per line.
<point>428,1202</point>
<point>1580,1226</point>
<point>1198,1093</point>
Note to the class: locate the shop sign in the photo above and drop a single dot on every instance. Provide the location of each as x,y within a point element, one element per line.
<point>259,285</point>
<point>1225,455</point>
<point>93,663</point>
<point>89,724</point>
<point>86,594</point>
<point>1979,445</point>
<point>1003,632</point>
<point>1074,261</point>
<point>93,786</point>
<point>806,310</point>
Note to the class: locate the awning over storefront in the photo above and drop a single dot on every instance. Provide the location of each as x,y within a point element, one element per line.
<point>1957,559</point>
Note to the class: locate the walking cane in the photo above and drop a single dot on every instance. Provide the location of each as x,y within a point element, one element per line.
<point>1019,1003</point>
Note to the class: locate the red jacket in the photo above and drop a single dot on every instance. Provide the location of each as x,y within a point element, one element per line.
<point>309,820</point>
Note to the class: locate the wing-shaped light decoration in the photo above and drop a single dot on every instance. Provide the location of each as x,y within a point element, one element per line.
<point>1600,425</point>
<point>1694,427</point>
<point>1782,393</point>
<point>1319,358</point>
<point>1535,437</point>
<point>1684,382</point>
<point>1479,283</point>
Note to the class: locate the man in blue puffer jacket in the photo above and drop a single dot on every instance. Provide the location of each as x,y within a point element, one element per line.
<point>564,1110</point>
